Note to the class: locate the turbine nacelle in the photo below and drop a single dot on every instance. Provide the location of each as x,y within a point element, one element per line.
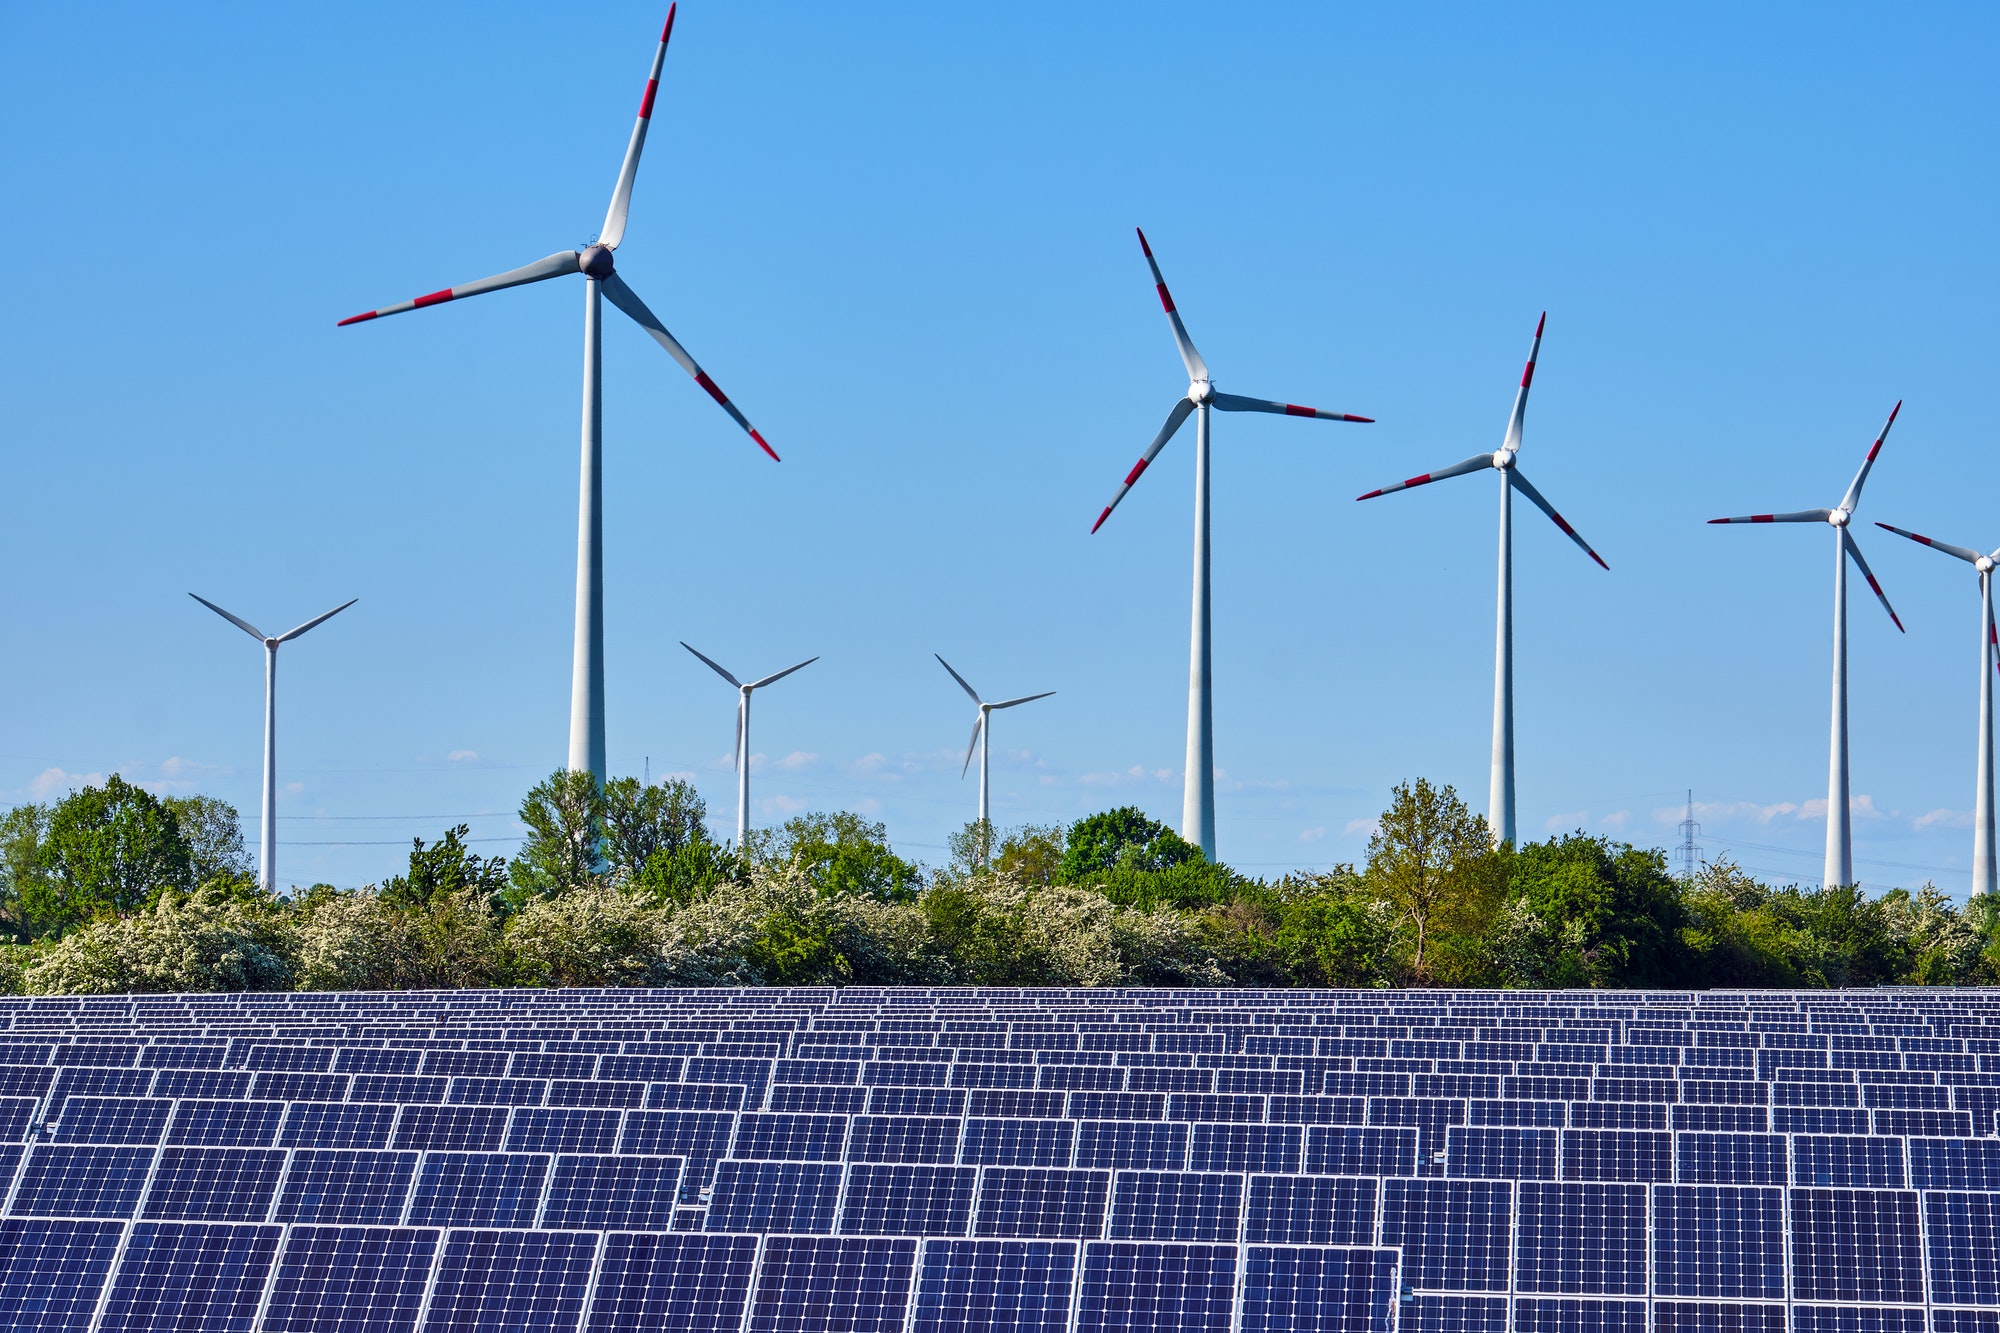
<point>1503,459</point>
<point>1839,518</point>
<point>1201,391</point>
<point>595,262</point>
<point>1984,564</point>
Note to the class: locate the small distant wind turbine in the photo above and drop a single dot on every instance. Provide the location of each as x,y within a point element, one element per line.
<point>1198,787</point>
<point>1982,801</point>
<point>982,730</point>
<point>1839,868</point>
<point>743,734</point>
<point>1500,794</point>
<point>267,866</point>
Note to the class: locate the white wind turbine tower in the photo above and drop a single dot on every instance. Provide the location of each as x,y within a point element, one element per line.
<point>1198,790</point>
<point>267,862</point>
<point>1839,867</point>
<point>586,709</point>
<point>1500,793</point>
<point>1982,800</point>
<point>743,693</point>
<point>982,731</point>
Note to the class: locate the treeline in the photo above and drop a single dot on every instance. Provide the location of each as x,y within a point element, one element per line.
<point>112,890</point>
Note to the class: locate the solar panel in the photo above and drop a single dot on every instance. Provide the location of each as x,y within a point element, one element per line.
<point>695,1283</point>
<point>1581,1239</point>
<point>1151,1287</point>
<point>823,1284</point>
<point>354,1186</point>
<point>196,1275</point>
<point>52,1272</point>
<point>994,1286</point>
<point>885,1199</point>
<point>64,1180</point>
<point>1454,1234</point>
<point>1169,1205</point>
<point>478,1189</point>
<point>1031,1201</point>
<point>1300,1290</point>
<point>1140,1144</point>
<point>1855,1319</point>
<point>1502,1153</point>
<point>511,1279</point>
<point>774,1196</point>
<point>451,1128</point>
<point>613,1191</point>
<point>346,1279</point>
<point>1578,1316</point>
<point>214,1184</point>
<point>917,1139</point>
<point>1310,1210</point>
<point>1856,1245</point>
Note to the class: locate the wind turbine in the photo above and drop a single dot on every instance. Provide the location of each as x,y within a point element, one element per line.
<point>743,693</point>
<point>982,731</point>
<point>267,863</point>
<point>1982,801</point>
<point>1198,790</point>
<point>1500,793</point>
<point>1839,824</point>
<point>586,707</point>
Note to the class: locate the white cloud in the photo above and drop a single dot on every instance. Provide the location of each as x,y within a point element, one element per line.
<point>871,763</point>
<point>1367,826</point>
<point>1138,773</point>
<point>796,760</point>
<point>293,788</point>
<point>54,782</point>
<point>1617,819</point>
<point>1311,834</point>
<point>1564,823</point>
<point>1725,812</point>
<point>781,805</point>
<point>463,756</point>
<point>1943,818</point>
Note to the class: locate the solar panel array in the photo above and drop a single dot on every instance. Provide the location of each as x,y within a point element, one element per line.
<point>942,1161</point>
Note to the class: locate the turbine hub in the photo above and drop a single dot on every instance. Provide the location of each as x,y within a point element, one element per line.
<point>1839,518</point>
<point>595,263</point>
<point>1503,459</point>
<point>1200,391</point>
<point>1984,564</point>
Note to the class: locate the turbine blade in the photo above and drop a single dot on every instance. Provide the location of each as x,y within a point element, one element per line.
<point>555,266</point>
<point>628,171</point>
<point>241,624</point>
<point>1853,496</point>
<point>1796,516</point>
<point>291,634</point>
<point>712,666</point>
<point>1024,699</point>
<point>1970,557</point>
<point>1526,488</point>
<point>1178,415</point>
<point>1472,464</point>
<point>1197,369</point>
<point>1231,402</point>
<point>972,693</point>
<point>972,744</point>
<point>1854,552</point>
<point>628,300</point>
<point>760,684</point>
<point>1518,418</point>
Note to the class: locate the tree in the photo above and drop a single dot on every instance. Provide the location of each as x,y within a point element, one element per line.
<point>217,938</point>
<point>564,850</point>
<point>641,822</point>
<point>838,854</point>
<point>1431,860</point>
<point>1604,913</point>
<point>445,866</point>
<point>108,849</point>
<point>22,830</point>
<point>214,837</point>
<point>1122,838</point>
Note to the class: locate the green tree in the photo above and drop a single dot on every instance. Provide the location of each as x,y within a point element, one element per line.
<point>564,849</point>
<point>641,822</point>
<point>108,849</point>
<point>838,854</point>
<point>214,837</point>
<point>1602,914</point>
<point>682,874</point>
<point>219,937</point>
<point>22,832</point>
<point>1432,861</point>
<point>1122,838</point>
<point>1331,933</point>
<point>445,867</point>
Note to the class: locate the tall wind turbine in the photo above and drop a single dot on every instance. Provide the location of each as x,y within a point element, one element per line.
<point>267,862</point>
<point>1982,800</point>
<point>743,693</point>
<point>586,706</point>
<point>1198,790</point>
<point>982,731</point>
<point>1500,792</point>
<point>1839,825</point>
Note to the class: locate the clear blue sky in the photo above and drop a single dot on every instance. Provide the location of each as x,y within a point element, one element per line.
<point>901,238</point>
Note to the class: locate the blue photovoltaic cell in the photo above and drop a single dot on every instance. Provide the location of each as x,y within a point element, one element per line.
<point>1310,1210</point>
<point>920,1139</point>
<point>1574,1316</point>
<point>51,1272</point>
<point>1267,1148</point>
<point>1516,1114</point>
<point>496,1092</point>
<point>905,1074</point>
<point>1152,1079</point>
<point>698,1137</point>
<point>487,1063</point>
<point>1581,1239</point>
<point>1337,1150</point>
<point>191,1056</point>
<point>350,1280</point>
<point>895,1200</point>
<point>1017,1142</point>
<point>672,1096</point>
<point>1965,1321</point>
<point>1453,1233</point>
<point>527,1280</point>
<point>16,1082</point>
<point>1082,1078</point>
<point>80,1181</point>
<point>352,1061</point>
<point>797,1197</point>
<point>1855,1245</point>
<point>1964,1236</point>
<point>1730,1159</point>
<point>1143,1145</point>
<point>613,1192</point>
<point>1722,1119</point>
<point>1819,1120</point>
<point>1846,1160</point>
<point>811,1100</point>
<point>994,1286</point>
<point>214,1184</point>
<point>1319,1291</point>
<point>1618,1115</point>
<point>1617,1154</point>
<point>532,1064</point>
<point>132,1120</point>
<point>563,1129</point>
<point>1708,1317</point>
<point>679,1283</point>
<point>1035,1201</point>
<point>1019,1077</point>
<point>451,1128</point>
<point>823,1284</point>
<point>1196,1106</point>
<point>1167,1205</point>
<point>313,1059</point>
<point>1929,1124</point>
<point>190,1275</point>
<point>1317,1111</point>
<point>1949,1164</point>
<point>1718,1241</point>
<point>1501,1153</point>
<point>478,1189</point>
<point>1149,1287</point>
<point>358,1187</point>
<point>1022,1103</point>
<point>402,1089</point>
<point>792,1138</point>
<point>299,1087</point>
<point>356,1125</point>
<point>640,1068</point>
<point>1852,1319</point>
<point>1118,1106</point>
<point>226,1124</point>
<point>916,1101</point>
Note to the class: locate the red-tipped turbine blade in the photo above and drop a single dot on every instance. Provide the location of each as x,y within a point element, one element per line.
<point>1796,516</point>
<point>628,170</point>
<point>1970,557</point>
<point>1179,414</point>
<point>622,296</point>
<point>1519,417</point>
<point>1472,464</point>
<point>1854,553</point>
<point>1522,485</point>
<point>1230,402</point>
<point>1197,369</point>
<point>1853,496</point>
<point>555,266</point>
